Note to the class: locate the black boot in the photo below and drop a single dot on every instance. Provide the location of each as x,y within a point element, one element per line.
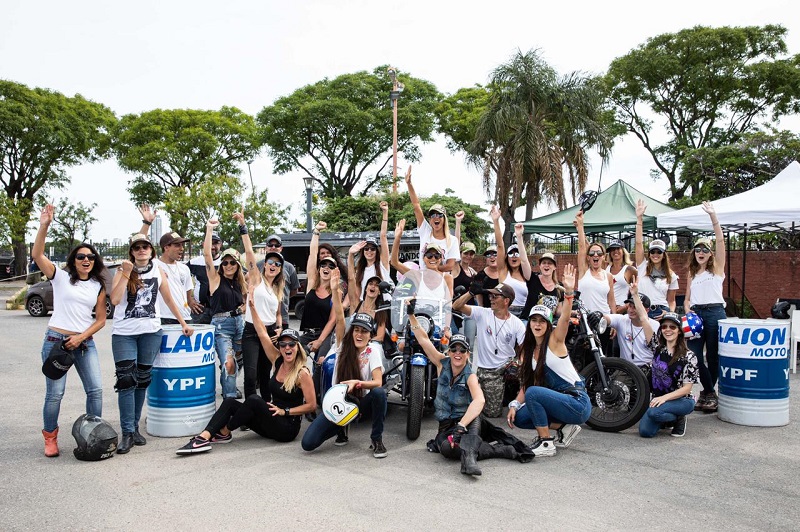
<point>469,454</point>
<point>138,439</point>
<point>125,443</point>
<point>487,451</point>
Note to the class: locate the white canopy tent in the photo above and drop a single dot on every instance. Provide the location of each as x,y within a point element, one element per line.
<point>773,206</point>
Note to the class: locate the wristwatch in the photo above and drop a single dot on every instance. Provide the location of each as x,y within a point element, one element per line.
<point>286,411</point>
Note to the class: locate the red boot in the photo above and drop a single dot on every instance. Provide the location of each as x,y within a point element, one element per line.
<point>50,443</point>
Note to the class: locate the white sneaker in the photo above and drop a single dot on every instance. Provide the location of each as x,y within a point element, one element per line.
<point>566,434</point>
<point>543,447</point>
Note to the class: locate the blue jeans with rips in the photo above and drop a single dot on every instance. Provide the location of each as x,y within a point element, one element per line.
<point>87,364</point>
<point>708,362</point>
<point>141,349</point>
<point>669,412</point>
<point>322,429</point>
<point>228,341</point>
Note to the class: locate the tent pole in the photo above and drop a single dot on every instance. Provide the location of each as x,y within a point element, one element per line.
<point>728,259</point>
<point>744,265</point>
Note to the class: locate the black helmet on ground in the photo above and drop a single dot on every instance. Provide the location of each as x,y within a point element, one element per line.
<point>96,439</point>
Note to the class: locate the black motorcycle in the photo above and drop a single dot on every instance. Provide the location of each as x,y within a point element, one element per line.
<point>618,389</point>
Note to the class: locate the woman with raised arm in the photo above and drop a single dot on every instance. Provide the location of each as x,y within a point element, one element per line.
<point>552,394</point>
<point>621,268</point>
<point>359,364</point>
<point>227,289</point>
<point>291,389</point>
<point>373,261</point>
<point>704,296</point>
<point>136,333</point>
<point>513,266</point>
<point>595,284</point>
<point>463,274</point>
<point>435,286</point>
<point>78,289</point>
<point>433,231</point>
<point>317,252</point>
<point>268,295</point>
<point>656,279</point>
<point>543,287</point>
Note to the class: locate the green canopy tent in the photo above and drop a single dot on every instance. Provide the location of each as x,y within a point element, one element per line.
<point>614,211</point>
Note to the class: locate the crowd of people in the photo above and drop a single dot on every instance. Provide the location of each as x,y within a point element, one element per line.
<point>510,313</point>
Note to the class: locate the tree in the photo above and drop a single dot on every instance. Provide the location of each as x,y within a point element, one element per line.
<point>71,224</point>
<point>223,195</point>
<point>42,133</point>
<point>708,85</point>
<point>363,212</point>
<point>718,172</point>
<point>179,148</point>
<point>533,126</point>
<point>339,131</point>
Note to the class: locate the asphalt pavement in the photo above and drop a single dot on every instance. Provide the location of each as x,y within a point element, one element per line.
<point>719,477</point>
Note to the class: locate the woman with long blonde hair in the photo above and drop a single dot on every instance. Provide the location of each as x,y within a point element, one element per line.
<point>656,278</point>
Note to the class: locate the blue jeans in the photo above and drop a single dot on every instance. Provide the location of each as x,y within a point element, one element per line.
<point>708,363</point>
<point>228,341</point>
<point>669,412</point>
<point>141,351</point>
<point>544,406</point>
<point>87,363</point>
<point>374,403</point>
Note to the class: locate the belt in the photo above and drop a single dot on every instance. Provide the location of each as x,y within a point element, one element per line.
<point>50,338</point>
<point>710,305</point>
<point>229,314</point>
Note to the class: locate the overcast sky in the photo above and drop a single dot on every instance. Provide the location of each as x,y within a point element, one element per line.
<point>136,56</point>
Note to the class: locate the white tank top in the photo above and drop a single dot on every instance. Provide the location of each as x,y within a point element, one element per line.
<point>562,366</point>
<point>520,290</point>
<point>425,292</point>
<point>266,304</point>
<point>594,292</point>
<point>621,286</point>
<point>706,289</point>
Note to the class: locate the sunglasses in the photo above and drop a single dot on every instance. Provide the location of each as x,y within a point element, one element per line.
<point>327,266</point>
<point>229,263</point>
<point>84,256</point>
<point>273,245</point>
<point>702,250</point>
<point>287,344</point>
<point>670,327</point>
<point>139,247</point>
<point>514,254</point>
<point>490,255</point>
<point>436,215</point>
<point>370,248</point>
<point>656,252</point>
<point>458,349</point>
<point>433,255</point>
<point>273,262</point>
<point>596,253</point>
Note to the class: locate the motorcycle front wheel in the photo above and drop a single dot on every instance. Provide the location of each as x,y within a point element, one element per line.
<point>626,400</point>
<point>416,399</point>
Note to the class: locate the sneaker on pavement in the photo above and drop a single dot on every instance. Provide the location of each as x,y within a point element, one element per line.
<point>711,402</point>
<point>679,430</point>
<point>378,449</point>
<point>566,434</point>
<point>219,438</point>
<point>543,447</point>
<point>244,428</point>
<point>341,439</point>
<point>195,445</point>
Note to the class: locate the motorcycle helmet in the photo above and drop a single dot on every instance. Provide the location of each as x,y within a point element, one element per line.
<point>692,325</point>
<point>96,439</point>
<point>780,310</point>
<point>338,406</point>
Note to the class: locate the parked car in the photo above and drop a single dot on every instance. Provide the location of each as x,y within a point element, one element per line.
<point>39,299</point>
<point>298,301</point>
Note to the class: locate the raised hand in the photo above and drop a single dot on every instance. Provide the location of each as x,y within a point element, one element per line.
<point>48,213</point>
<point>494,212</point>
<point>460,215</point>
<point>519,229</point>
<point>335,278</point>
<point>634,286</point>
<point>321,226</point>
<point>384,207</point>
<point>568,279</point>
<point>709,208</point>
<point>213,223</point>
<point>400,227</point>
<point>578,219</point>
<point>148,215</point>
<point>239,216</point>
<point>408,175</point>
<point>127,267</point>
<point>357,247</point>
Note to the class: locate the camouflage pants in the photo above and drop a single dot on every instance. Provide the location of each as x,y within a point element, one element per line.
<point>493,386</point>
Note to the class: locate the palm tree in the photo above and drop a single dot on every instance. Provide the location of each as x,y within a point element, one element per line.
<point>536,126</point>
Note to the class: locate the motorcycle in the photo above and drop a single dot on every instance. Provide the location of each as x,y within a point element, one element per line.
<point>411,374</point>
<point>618,389</point>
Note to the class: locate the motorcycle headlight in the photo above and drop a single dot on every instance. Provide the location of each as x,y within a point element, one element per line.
<point>602,325</point>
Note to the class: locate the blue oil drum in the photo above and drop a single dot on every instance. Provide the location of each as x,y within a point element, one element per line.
<point>180,399</point>
<point>754,372</point>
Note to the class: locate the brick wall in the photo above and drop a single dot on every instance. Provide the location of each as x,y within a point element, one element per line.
<point>770,275</point>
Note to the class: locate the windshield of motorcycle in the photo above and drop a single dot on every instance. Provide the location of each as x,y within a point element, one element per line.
<point>431,293</point>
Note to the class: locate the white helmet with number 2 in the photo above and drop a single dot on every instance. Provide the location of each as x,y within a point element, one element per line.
<point>337,407</point>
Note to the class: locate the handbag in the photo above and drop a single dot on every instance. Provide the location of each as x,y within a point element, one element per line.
<point>511,371</point>
<point>58,362</point>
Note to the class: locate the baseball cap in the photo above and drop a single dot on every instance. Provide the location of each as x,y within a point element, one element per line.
<point>543,311</point>
<point>459,339</point>
<point>289,333</point>
<point>490,249</point>
<point>215,237</point>
<point>437,207</point>
<point>139,237</point>
<point>274,254</point>
<point>370,241</point>
<point>467,246</point>
<point>512,248</point>
<point>434,247</point>
<point>363,320</point>
<point>658,244</point>
<point>503,290</point>
<point>673,317</point>
<point>645,300</point>
<point>232,253</point>
<point>703,242</point>
<point>548,256</point>
<point>167,239</point>
<point>275,238</point>
<point>614,243</point>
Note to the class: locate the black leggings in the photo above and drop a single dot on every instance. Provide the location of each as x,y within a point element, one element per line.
<point>257,367</point>
<point>254,413</point>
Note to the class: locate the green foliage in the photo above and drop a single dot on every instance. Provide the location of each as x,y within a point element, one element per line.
<point>179,148</point>
<point>339,131</point>
<point>42,133</point>
<point>459,114</point>
<point>222,195</point>
<point>71,224</point>
<point>363,213</point>
<point>708,86</point>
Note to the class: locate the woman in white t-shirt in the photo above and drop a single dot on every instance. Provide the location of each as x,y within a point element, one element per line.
<point>77,290</point>
<point>359,364</point>
<point>136,334</point>
<point>656,279</point>
<point>434,230</point>
<point>513,266</point>
<point>621,267</point>
<point>373,260</point>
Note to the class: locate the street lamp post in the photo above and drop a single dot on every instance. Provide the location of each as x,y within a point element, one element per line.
<point>309,183</point>
<point>397,88</point>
